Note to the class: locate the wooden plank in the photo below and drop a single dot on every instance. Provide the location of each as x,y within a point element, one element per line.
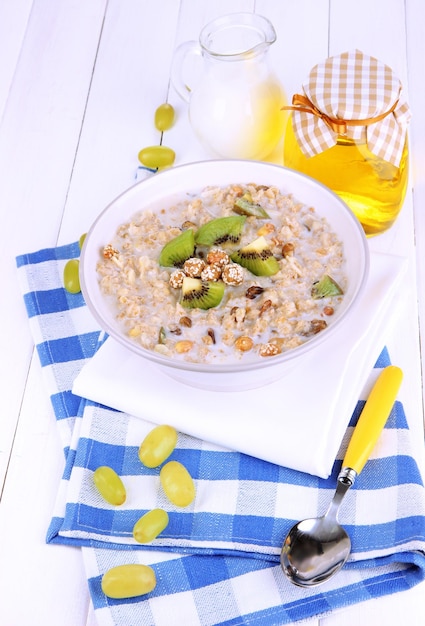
<point>361,29</point>
<point>302,30</point>
<point>376,30</point>
<point>416,72</point>
<point>391,48</point>
<point>131,79</point>
<point>38,138</point>
<point>50,578</point>
<point>13,24</point>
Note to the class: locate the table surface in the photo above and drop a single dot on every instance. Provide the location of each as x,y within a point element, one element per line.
<point>79,84</point>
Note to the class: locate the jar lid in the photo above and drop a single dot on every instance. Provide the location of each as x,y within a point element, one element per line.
<point>354,95</point>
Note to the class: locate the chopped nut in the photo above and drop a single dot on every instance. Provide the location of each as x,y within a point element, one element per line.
<point>176,279</point>
<point>185,321</point>
<point>218,257</point>
<point>269,349</point>
<point>188,224</point>
<point>193,267</point>
<point>239,314</point>
<point>244,344</point>
<point>175,330</point>
<point>288,249</point>
<point>211,273</point>
<point>211,334</point>
<point>266,229</point>
<point>232,274</point>
<point>265,306</point>
<point>254,291</point>
<point>183,346</point>
<point>315,327</point>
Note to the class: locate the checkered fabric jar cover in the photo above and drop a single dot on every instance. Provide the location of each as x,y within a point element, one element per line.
<point>356,96</point>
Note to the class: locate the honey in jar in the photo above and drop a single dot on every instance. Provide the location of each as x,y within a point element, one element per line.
<point>348,130</point>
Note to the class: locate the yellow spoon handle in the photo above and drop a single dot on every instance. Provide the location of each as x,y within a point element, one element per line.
<point>373,417</point>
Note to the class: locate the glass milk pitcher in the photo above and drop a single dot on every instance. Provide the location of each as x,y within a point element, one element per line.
<point>235,102</point>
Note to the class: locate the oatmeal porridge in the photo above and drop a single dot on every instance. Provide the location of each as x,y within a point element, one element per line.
<point>227,274</point>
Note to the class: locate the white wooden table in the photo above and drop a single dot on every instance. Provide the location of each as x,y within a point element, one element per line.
<point>79,83</point>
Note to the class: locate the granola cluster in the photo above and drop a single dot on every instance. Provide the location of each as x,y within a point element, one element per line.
<point>216,267</point>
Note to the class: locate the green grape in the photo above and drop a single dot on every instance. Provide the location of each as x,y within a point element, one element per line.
<point>109,485</point>
<point>157,445</point>
<point>156,156</point>
<point>71,276</point>
<point>128,581</point>
<point>150,525</point>
<point>81,240</point>
<point>177,483</point>
<point>164,117</point>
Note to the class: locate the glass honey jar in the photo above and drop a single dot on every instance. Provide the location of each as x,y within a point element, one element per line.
<point>348,130</point>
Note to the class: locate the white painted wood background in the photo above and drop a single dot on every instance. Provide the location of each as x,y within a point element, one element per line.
<point>79,82</point>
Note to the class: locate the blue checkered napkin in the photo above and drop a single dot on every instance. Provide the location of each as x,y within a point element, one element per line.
<point>217,561</point>
<point>64,335</point>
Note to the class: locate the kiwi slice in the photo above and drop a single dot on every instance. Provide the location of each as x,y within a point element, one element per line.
<point>257,258</point>
<point>220,231</point>
<point>326,287</point>
<point>178,250</point>
<point>245,206</point>
<point>201,294</point>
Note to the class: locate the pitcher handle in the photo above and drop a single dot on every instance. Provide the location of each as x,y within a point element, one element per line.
<point>181,56</point>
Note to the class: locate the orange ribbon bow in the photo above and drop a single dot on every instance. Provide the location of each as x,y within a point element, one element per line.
<point>339,126</point>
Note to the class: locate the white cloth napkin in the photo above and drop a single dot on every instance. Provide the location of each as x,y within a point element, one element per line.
<point>298,421</point>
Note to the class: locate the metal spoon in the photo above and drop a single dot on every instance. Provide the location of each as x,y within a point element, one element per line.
<point>316,549</point>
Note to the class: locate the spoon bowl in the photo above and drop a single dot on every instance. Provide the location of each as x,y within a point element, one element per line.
<point>306,546</point>
<point>316,549</point>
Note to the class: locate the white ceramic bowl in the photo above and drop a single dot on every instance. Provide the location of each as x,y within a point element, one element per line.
<point>193,177</point>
